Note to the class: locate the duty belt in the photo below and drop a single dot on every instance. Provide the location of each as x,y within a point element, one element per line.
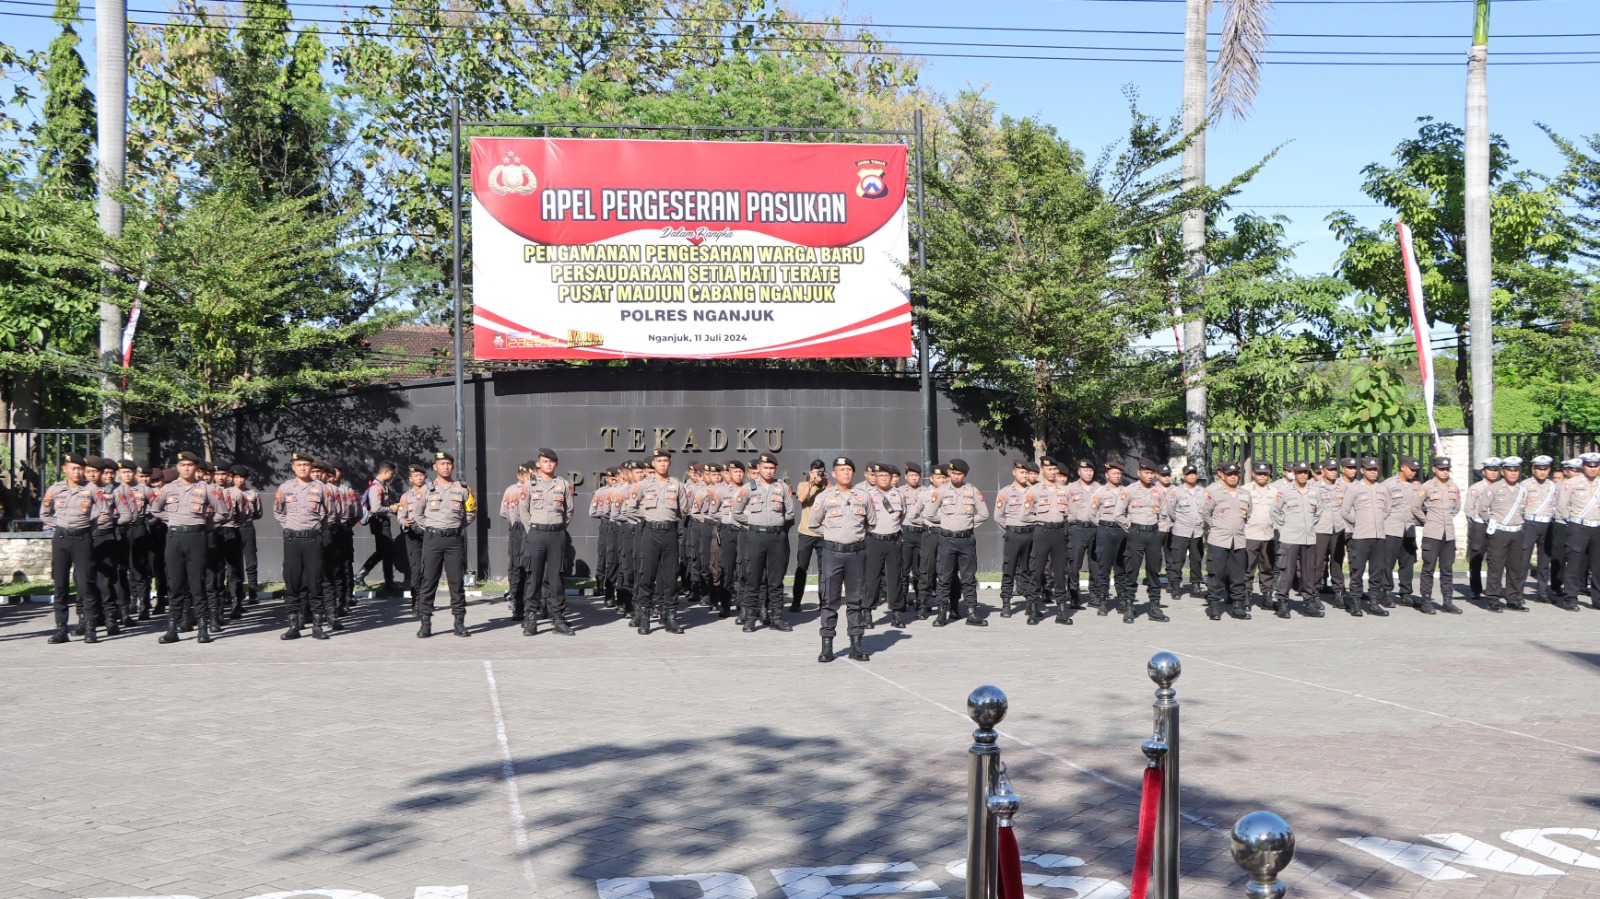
<point>1590,523</point>
<point>1081,524</point>
<point>855,547</point>
<point>1019,529</point>
<point>1051,525</point>
<point>300,535</point>
<point>185,528</point>
<point>442,532</point>
<point>766,528</point>
<point>885,537</point>
<point>660,525</point>
<point>1541,519</point>
<point>1142,527</point>
<point>914,529</point>
<point>72,532</point>
<point>547,527</point>
<point>108,529</point>
<point>958,535</point>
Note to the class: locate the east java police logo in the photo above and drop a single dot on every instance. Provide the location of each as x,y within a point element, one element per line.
<point>512,177</point>
<point>871,186</point>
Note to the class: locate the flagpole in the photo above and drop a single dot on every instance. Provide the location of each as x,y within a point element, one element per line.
<point>1419,325</point>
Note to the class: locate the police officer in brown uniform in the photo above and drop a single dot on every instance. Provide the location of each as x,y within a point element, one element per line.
<point>70,510</point>
<point>1327,564</point>
<point>189,507</point>
<point>1146,502</point>
<point>766,507</point>
<point>134,497</point>
<point>546,509</point>
<point>406,511</point>
<point>842,515</point>
<point>301,507</point>
<point>1400,532</point>
<point>1503,506</point>
<point>1082,523</point>
<point>1109,511</point>
<point>448,506</point>
<point>1364,510</point>
<point>516,543</point>
<point>956,510</point>
<point>883,545</point>
<point>911,531</point>
<point>103,541</point>
<point>1441,500</point>
<point>247,532</point>
<point>1477,535</point>
<point>1013,513</point>
<point>931,599</point>
<point>1187,539</point>
<point>1261,546</point>
<point>1537,524</point>
<point>230,545</point>
<point>1225,509</point>
<point>1580,506</point>
<point>659,503</point>
<point>1050,499</point>
<point>1295,512</point>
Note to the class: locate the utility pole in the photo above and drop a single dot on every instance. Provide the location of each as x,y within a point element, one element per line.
<point>111,66</point>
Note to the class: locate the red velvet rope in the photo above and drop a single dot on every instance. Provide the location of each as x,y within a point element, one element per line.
<point>1010,885</point>
<point>1146,848</point>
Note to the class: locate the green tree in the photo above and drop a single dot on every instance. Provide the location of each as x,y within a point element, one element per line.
<point>1042,268</point>
<point>1533,240</point>
<point>64,140</point>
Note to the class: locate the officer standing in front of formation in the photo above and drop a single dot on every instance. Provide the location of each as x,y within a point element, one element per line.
<point>188,507</point>
<point>301,507</point>
<point>1261,551</point>
<point>1404,510</point>
<point>659,504</point>
<point>883,545</point>
<point>1049,498</point>
<point>1537,524</point>
<point>842,515</point>
<point>546,509</point>
<point>1188,537</point>
<point>1226,509</point>
<point>1296,510</point>
<point>447,508</point>
<point>766,508</point>
<point>1013,513</point>
<point>1502,506</point>
<point>911,531</point>
<point>407,512</point>
<point>1580,506</point>
<point>1146,500</point>
<point>70,510</point>
<point>1477,525</point>
<point>1365,509</point>
<point>956,510</point>
<point>516,543</point>
<point>376,500</point>
<point>1441,500</point>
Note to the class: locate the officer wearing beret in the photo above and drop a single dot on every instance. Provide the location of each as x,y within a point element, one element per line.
<point>1225,510</point>
<point>1441,500</point>
<point>189,507</point>
<point>1013,513</point>
<point>1400,533</point>
<point>884,578</point>
<point>728,538</point>
<point>659,503</point>
<point>406,512</point>
<point>1082,525</point>
<point>448,506</point>
<point>956,510</point>
<point>301,507</point>
<point>842,515</point>
<point>132,500</point>
<point>546,509</point>
<point>70,509</point>
<point>930,598</point>
<point>765,508</point>
<point>1327,564</point>
<point>1109,509</point>
<point>704,502</point>
<point>1538,524</point>
<point>1146,499</point>
<point>1261,545</point>
<point>103,541</point>
<point>1049,499</point>
<point>911,530</point>
<point>1188,536</point>
<point>516,539</point>
<point>1477,525</point>
<point>253,510</point>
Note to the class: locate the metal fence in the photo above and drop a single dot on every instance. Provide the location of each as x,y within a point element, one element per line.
<point>1283,447</point>
<point>31,462</point>
<point>1556,446</point>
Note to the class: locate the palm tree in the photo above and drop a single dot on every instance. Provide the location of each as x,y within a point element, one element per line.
<point>1238,76</point>
<point>1479,259</point>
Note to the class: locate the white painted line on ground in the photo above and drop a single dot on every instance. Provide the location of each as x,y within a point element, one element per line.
<point>508,773</point>
<point>1387,702</point>
<point>1299,867</point>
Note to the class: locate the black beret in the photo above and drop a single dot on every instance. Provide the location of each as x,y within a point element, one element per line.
<point>764,458</point>
<point>546,453</point>
<point>1019,463</point>
<point>733,464</point>
<point>142,469</point>
<point>1029,466</point>
<point>128,464</point>
<point>1085,463</point>
<point>696,467</point>
<point>442,456</point>
<point>959,465</point>
<point>843,460</point>
<point>524,466</point>
<point>817,463</point>
<point>169,474</point>
<point>419,468</point>
<point>187,456</point>
<point>1114,463</point>
<point>1048,462</point>
<point>71,459</point>
<point>874,467</point>
<point>93,462</point>
<point>889,468</point>
<point>912,466</point>
<point>299,457</point>
<point>661,452</point>
<point>1147,465</point>
<point>939,470</point>
<point>712,466</point>
<point>206,467</point>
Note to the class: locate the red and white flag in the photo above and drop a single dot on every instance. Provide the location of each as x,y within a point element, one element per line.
<point>1419,324</point>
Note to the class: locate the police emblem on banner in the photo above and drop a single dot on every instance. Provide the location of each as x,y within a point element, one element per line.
<point>512,177</point>
<point>871,185</point>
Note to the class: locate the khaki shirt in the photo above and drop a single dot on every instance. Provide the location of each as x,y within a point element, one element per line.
<point>511,504</point>
<point>1403,500</point>
<point>1329,499</point>
<point>546,502</point>
<point>376,500</point>
<point>765,505</point>
<point>1580,501</point>
<point>921,508</point>
<point>410,504</point>
<point>1183,507</point>
<point>252,505</point>
<point>1295,512</point>
<point>658,500</point>
<point>1476,495</point>
<point>909,496</point>
<point>66,506</point>
<point>1080,505</point>
<point>842,515</point>
<point>1225,512</point>
<point>953,508</point>
<point>1050,502</point>
<point>1440,503</point>
<point>447,504</point>
<point>1145,503</point>
<point>891,510</point>
<point>234,497</point>
<point>185,505</point>
<point>1259,525</point>
<point>1365,509</point>
<point>1012,507</point>
<point>1109,505</point>
<point>1503,505</point>
<point>132,502</point>
<point>1542,500</point>
<point>300,505</point>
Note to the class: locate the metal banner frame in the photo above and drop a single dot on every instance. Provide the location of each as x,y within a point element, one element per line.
<point>694,132</point>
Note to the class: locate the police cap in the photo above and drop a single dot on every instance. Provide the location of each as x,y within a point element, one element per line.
<point>1228,468</point>
<point>696,467</point>
<point>1048,462</point>
<point>939,470</point>
<point>95,462</point>
<point>419,468</point>
<point>660,453</point>
<point>765,458</point>
<point>1165,471</point>
<point>1441,462</point>
<point>1590,458</point>
<point>874,467</point>
<point>1348,462</point>
<point>959,465</point>
<point>733,465</point>
<point>187,456</point>
<point>1261,468</point>
<point>1298,467</point>
<point>127,464</point>
<point>1542,461</point>
<point>1191,469</point>
<point>912,466</point>
<point>1331,465</point>
<point>1085,463</point>
<point>442,456</point>
<point>1032,468</point>
<point>1572,464</point>
<point>1369,462</point>
<point>1511,462</point>
<point>299,457</point>
<point>547,453</point>
<point>712,466</point>
<point>1491,462</point>
<point>72,459</point>
<point>843,460</point>
<point>1411,463</point>
<point>238,469</point>
<point>890,469</point>
<point>1115,463</point>
<point>523,467</point>
<point>1147,465</point>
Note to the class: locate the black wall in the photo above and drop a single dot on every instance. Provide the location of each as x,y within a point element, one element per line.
<point>802,415</point>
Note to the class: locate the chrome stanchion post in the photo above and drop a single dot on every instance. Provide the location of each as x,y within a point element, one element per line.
<point>1263,845</point>
<point>1164,669</point>
<point>1004,802</point>
<point>987,707</point>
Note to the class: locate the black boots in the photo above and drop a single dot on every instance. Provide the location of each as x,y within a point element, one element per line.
<point>1450,608</point>
<point>1064,614</point>
<point>641,622</point>
<point>317,631</point>
<point>943,616</point>
<point>1376,608</point>
<point>559,625</point>
<point>426,630</point>
<point>1005,607</point>
<point>856,652</point>
<point>1352,604</point>
<point>974,621</point>
<point>1127,611</point>
<point>827,650</point>
<point>1213,611</point>
<point>1156,614</point>
<point>171,636</point>
<point>89,636</point>
<point>1281,608</point>
<point>60,636</point>
<point>1314,607</point>
<point>669,621</point>
<point>293,633</point>
<point>460,628</point>
<point>775,620</point>
<point>205,633</point>
<point>530,625</point>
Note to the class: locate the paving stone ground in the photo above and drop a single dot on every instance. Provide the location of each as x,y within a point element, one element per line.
<point>545,768</point>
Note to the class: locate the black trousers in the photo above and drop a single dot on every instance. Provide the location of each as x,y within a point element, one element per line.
<point>729,541</point>
<point>1477,547</point>
<point>72,564</point>
<point>346,536</point>
<point>627,556</point>
<point>1109,541</point>
<point>1297,561</point>
<point>910,566</point>
<point>230,546</point>
<point>1049,555</point>
<point>658,566</point>
<point>1261,560</point>
<point>302,577</point>
<point>1016,564</point>
<point>382,549</point>
<point>1328,561</point>
<point>332,585</point>
<point>413,543</point>
<point>766,562</point>
<point>247,547</point>
<point>958,558</point>
<point>807,546</point>
<point>446,556</point>
<point>845,573</point>
<point>1367,568</point>
<point>1582,569</point>
<point>1141,547</point>
<point>1180,549</point>
<point>108,581</point>
<point>541,556</point>
<point>1400,554</point>
<point>1441,553</point>
<point>136,541</point>
<point>517,567</point>
<point>884,575</point>
<point>930,595</point>
<point>1226,581</point>
<point>701,531</point>
<point>1080,551</point>
<point>1538,542</point>
<point>1508,566</point>
<point>603,554</point>
<point>1558,556</point>
<point>158,560</point>
<point>186,564</point>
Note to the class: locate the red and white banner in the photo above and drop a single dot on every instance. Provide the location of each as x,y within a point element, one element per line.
<point>1419,324</point>
<point>608,249</point>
